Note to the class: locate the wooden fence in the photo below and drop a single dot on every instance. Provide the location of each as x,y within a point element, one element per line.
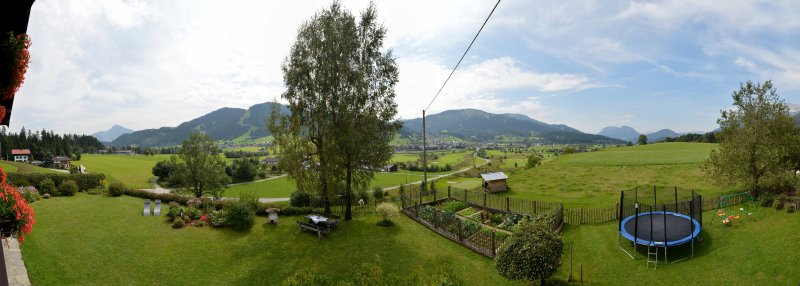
<point>577,216</point>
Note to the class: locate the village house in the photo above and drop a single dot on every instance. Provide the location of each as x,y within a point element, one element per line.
<point>494,182</point>
<point>125,152</point>
<point>62,162</point>
<point>21,155</point>
<point>270,161</point>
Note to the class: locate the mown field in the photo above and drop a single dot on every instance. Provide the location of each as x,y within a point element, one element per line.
<point>102,240</point>
<point>134,171</point>
<point>594,179</point>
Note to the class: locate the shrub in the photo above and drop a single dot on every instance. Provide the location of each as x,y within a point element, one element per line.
<point>21,182</point>
<point>779,204</point>
<point>116,189</point>
<point>242,212</point>
<point>377,193</point>
<point>178,223</point>
<point>454,206</point>
<point>68,188</point>
<point>217,218</point>
<point>387,210</point>
<point>175,210</point>
<point>46,186</point>
<point>84,181</point>
<point>297,211</point>
<point>766,199</point>
<point>540,261</point>
<point>29,193</point>
<point>790,209</point>
<point>300,199</point>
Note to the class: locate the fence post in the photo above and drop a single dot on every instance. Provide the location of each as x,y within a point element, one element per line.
<point>434,196</point>
<point>508,209</point>
<point>494,245</point>
<point>458,233</point>
<point>484,200</point>
<point>434,219</point>
<point>465,197</point>
<point>581,215</point>
<point>448,192</point>
<point>534,207</point>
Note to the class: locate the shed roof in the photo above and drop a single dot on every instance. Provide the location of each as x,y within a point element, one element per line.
<point>61,158</point>
<point>494,176</point>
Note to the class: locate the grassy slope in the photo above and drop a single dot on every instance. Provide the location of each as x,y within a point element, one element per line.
<point>134,171</point>
<point>10,166</point>
<point>594,179</point>
<point>106,241</point>
<point>754,251</point>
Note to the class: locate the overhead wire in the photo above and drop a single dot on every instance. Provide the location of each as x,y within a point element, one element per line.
<point>462,56</point>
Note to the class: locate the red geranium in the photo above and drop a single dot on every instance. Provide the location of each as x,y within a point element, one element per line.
<point>14,207</point>
<point>18,57</point>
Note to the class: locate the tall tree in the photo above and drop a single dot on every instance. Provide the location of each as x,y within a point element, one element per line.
<point>200,170</point>
<point>642,139</point>
<point>340,90</point>
<point>757,139</point>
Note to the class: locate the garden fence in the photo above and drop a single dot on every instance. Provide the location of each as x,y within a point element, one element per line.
<point>466,232</point>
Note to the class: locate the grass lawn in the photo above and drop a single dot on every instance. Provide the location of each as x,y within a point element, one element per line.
<point>594,179</point>
<point>459,183</point>
<point>106,241</point>
<point>134,171</point>
<point>754,251</point>
<point>11,167</point>
<point>275,188</point>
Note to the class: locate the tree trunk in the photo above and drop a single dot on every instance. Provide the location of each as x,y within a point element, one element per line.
<point>348,213</point>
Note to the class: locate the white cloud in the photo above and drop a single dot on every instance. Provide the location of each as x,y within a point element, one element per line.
<point>478,86</point>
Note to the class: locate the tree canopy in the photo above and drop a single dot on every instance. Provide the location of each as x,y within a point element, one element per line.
<point>340,90</point>
<point>757,139</point>
<point>532,253</point>
<point>200,170</point>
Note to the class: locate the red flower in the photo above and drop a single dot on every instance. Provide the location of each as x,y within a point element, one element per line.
<point>15,207</point>
<point>18,47</point>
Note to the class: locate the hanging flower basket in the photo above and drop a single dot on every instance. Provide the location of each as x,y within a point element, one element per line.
<point>16,215</point>
<point>16,61</point>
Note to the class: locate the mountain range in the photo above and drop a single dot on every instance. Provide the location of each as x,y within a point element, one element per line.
<point>627,133</point>
<point>221,124</point>
<point>111,134</point>
<point>229,123</point>
<point>483,126</point>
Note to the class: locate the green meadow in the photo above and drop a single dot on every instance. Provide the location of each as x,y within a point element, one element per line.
<point>134,171</point>
<point>101,240</point>
<point>594,179</point>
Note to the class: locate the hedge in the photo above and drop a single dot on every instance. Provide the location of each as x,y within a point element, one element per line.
<point>183,199</point>
<point>84,181</point>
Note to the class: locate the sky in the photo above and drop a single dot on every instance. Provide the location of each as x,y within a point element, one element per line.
<point>588,64</point>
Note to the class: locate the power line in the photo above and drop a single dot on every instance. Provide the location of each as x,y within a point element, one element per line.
<point>462,56</point>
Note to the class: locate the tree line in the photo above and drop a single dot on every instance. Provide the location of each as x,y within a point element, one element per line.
<point>46,144</point>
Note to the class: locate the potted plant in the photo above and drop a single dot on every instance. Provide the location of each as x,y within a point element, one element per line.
<point>16,215</point>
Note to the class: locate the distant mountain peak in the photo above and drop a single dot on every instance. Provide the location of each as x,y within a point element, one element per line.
<point>625,133</point>
<point>112,133</point>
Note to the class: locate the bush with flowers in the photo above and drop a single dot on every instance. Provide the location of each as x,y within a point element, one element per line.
<point>14,208</point>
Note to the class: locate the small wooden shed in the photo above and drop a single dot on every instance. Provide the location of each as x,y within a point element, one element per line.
<point>495,182</point>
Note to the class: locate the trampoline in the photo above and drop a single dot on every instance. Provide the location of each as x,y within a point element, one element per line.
<point>659,219</point>
<point>660,228</point>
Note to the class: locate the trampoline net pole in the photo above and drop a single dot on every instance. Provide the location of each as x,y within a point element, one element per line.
<point>664,215</point>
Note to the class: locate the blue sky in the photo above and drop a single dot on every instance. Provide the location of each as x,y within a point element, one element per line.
<point>587,64</point>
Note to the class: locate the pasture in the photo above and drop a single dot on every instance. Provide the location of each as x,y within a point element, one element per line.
<point>134,171</point>
<point>594,179</point>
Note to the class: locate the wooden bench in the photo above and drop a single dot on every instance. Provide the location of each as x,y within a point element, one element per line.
<point>320,230</point>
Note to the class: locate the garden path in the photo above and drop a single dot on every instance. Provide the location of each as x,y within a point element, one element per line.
<point>15,267</point>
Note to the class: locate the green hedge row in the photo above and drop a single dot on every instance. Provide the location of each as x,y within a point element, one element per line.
<point>182,199</point>
<point>85,181</point>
